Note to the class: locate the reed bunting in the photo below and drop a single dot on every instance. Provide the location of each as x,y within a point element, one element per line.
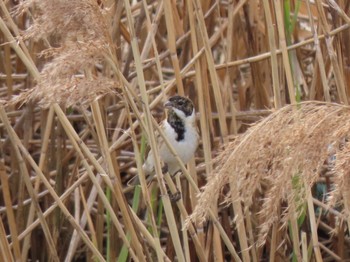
<point>181,131</point>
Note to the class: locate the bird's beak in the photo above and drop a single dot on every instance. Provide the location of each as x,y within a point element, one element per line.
<point>168,104</point>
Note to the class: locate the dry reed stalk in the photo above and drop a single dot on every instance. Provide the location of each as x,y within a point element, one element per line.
<point>170,25</point>
<point>273,48</point>
<point>285,57</point>
<point>338,74</point>
<point>184,215</point>
<point>64,196</point>
<point>51,190</point>
<point>319,57</point>
<point>213,75</point>
<point>83,220</point>
<point>149,129</point>
<point>10,214</point>
<point>313,224</point>
<point>24,172</point>
<point>82,149</point>
<point>4,244</point>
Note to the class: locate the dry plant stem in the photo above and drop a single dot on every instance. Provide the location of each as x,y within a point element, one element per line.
<point>346,199</point>
<point>181,40</point>
<point>75,236</point>
<point>48,211</point>
<point>24,172</point>
<point>251,240</point>
<point>52,192</point>
<point>9,212</point>
<point>43,155</point>
<point>338,76</point>
<point>127,94</point>
<point>14,28</point>
<point>285,57</point>
<point>239,221</point>
<point>224,236</point>
<point>153,29</point>
<point>87,209</point>
<point>8,72</point>
<point>327,208</point>
<point>12,42</point>
<point>4,245</point>
<point>144,187</point>
<point>333,255</point>
<point>117,187</point>
<point>138,25</point>
<point>169,21</point>
<point>211,66</point>
<point>273,244</point>
<point>274,64</point>
<point>185,236</point>
<point>266,55</point>
<point>149,128</point>
<point>232,12</point>
<point>145,192</point>
<point>252,59</point>
<point>321,65</point>
<point>150,239</point>
<point>184,215</point>
<point>76,141</point>
<point>304,246</point>
<point>149,40</point>
<point>295,232</point>
<point>340,11</point>
<point>198,82</point>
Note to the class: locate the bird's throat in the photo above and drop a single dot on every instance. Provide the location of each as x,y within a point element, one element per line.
<point>176,123</point>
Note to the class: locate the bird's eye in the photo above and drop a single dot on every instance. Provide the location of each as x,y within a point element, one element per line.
<point>181,103</point>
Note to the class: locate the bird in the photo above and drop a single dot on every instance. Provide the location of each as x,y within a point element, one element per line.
<point>181,131</point>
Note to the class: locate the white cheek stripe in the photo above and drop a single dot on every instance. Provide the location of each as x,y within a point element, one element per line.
<point>179,113</point>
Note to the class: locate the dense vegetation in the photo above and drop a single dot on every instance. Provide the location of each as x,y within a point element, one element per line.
<point>82,85</point>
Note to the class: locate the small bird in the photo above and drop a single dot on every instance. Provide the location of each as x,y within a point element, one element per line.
<point>181,131</point>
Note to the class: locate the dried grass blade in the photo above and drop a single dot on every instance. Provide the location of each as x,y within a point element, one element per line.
<point>169,21</point>
<point>74,138</point>
<point>149,128</point>
<point>285,56</point>
<point>321,64</point>
<point>10,214</point>
<point>211,66</point>
<point>273,48</point>
<point>338,74</point>
<point>17,145</point>
<point>4,245</point>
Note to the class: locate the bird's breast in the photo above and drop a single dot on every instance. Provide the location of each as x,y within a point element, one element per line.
<point>185,147</point>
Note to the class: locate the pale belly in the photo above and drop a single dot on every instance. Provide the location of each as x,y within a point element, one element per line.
<point>185,148</point>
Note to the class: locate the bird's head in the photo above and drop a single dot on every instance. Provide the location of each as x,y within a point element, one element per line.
<point>181,106</point>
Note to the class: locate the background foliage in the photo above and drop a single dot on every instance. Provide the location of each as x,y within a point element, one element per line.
<point>82,85</point>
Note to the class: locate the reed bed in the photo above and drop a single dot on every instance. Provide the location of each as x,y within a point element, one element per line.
<point>82,85</point>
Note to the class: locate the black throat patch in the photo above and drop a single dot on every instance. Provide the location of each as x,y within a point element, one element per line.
<point>177,124</point>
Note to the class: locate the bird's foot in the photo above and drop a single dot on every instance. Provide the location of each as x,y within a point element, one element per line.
<point>165,169</point>
<point>175,197</point>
